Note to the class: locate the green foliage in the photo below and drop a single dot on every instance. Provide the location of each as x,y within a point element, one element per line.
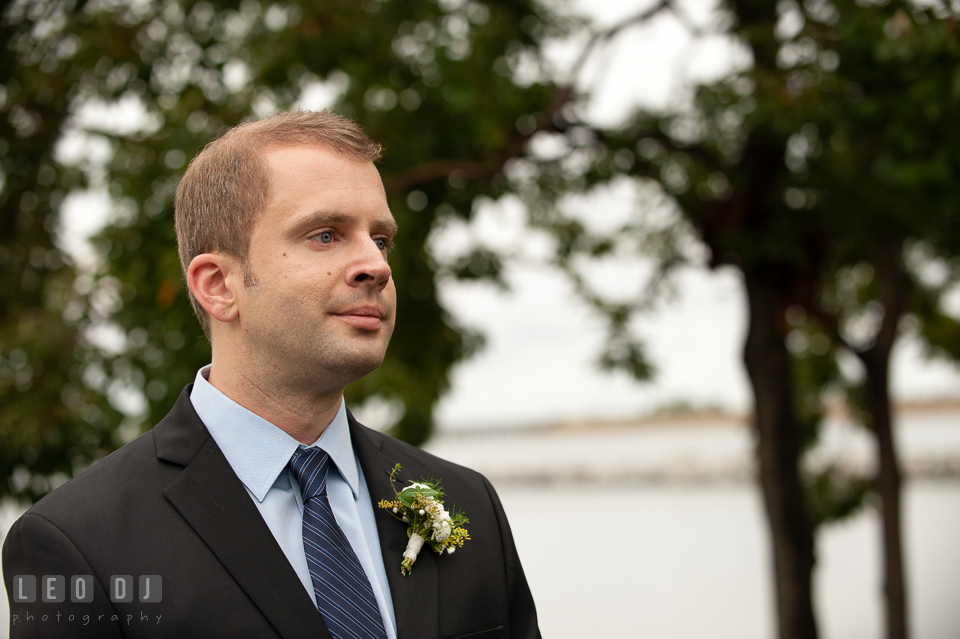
<point>434,82</point>
<point>940,330</point>
<point>815,372</point>
<point>407,495</point>
<point>834,495</point>
<point>53,423</point>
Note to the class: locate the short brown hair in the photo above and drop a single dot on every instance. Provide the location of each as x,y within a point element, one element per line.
<point>227,185</point>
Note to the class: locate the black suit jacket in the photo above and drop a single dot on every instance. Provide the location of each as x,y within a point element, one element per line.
<point>169,504</point>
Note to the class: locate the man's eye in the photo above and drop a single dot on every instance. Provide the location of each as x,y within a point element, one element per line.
<point>382,243</point>
<point>325,238</point>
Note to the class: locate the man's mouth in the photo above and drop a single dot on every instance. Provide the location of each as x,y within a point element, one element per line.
<point>368,318</point>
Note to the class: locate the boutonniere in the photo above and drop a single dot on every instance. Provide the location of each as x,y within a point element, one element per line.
<point>419,506</point>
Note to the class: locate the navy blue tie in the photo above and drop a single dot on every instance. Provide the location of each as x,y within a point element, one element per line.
<point>343,593</point>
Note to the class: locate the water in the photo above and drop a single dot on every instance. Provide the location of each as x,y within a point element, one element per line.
<point>657,529</point>
<point>672,562</point>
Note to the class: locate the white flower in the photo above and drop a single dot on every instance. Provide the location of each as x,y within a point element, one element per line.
<point>394,510</point>
<point>451,549</point>
<point>417,486</point>
<point>421,512</point>
<point>441,531</point>
<point>437,512</point>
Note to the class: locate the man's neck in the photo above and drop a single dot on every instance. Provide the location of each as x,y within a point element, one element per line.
<point>303,416</point>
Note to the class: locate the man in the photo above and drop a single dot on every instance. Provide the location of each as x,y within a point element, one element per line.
<point>250,510</point>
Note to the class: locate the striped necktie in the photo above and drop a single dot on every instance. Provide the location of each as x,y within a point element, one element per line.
<point>341,588</point>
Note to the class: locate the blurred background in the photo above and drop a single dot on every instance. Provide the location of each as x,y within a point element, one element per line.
<point>687,270</point>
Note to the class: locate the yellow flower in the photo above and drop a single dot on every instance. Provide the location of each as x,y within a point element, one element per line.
<point>389,505</point>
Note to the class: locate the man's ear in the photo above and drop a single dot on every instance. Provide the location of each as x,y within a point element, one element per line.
<point>213,278</point>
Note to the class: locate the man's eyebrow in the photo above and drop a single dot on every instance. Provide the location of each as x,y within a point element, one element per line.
<point>320,218</point>
<point>385,225</point>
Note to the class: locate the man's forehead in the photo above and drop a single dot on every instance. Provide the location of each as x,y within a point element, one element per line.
<point>291,168</point>
<point>311,185</point>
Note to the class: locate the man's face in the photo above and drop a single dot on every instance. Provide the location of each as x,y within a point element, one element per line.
<point>319,306</point>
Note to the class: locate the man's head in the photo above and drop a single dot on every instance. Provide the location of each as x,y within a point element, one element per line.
<point>227,185</point>
<point>284,228</point>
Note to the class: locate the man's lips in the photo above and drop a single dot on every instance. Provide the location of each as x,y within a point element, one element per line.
<point>365,317</point>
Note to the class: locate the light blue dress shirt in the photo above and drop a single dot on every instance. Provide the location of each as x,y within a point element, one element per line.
<point>259,454</point>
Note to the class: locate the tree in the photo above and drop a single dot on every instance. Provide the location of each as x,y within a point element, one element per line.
<point>416,75</point>
<point>901,132</point>
<point>805,170</point>
<point>51,420</point>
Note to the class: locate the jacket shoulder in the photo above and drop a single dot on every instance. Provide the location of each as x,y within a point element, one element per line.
<point>134,474</point>
<point>392,447</point>
<point>91,489</point>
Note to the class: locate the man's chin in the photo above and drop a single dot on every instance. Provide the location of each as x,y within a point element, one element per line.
<point>351,369</point>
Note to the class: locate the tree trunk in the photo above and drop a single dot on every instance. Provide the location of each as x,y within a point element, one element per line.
<point>892,291</point>
<point>769,368</point>
<point>888,486</point>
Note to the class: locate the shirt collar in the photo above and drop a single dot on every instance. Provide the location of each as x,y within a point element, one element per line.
<point>257,450</point>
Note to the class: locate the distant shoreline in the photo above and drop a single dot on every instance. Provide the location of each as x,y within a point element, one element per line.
<point>683,416</point>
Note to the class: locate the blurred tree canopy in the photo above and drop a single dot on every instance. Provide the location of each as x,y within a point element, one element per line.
<point>117,96</point>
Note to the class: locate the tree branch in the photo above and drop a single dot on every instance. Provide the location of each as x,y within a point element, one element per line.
<point>891,293</point>
<point>830,324</point>
<point>892,284</point>
<point>440,169</point>
<point>608,34</point>
<point>436,170</point>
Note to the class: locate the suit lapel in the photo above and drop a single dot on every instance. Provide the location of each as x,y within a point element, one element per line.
<point>416,596</point>
<point>213,501</point>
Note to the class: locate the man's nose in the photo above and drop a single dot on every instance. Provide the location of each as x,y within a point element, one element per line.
<point>370,267</point>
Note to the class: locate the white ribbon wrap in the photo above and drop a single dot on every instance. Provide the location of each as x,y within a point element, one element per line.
<point>413,547</point>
